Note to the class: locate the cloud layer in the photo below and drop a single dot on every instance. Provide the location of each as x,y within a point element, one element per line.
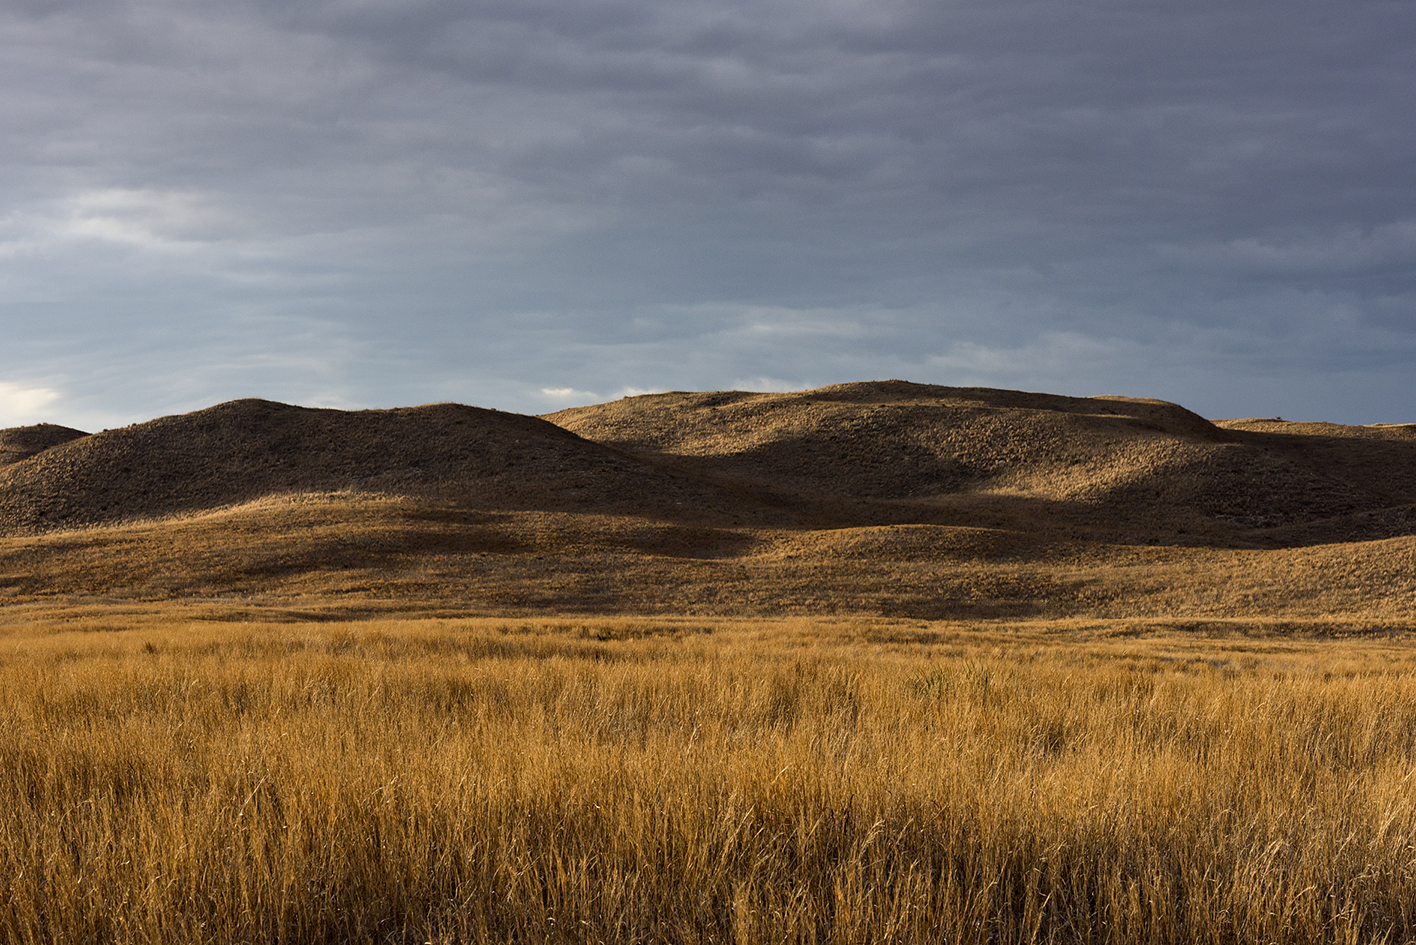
<point>522,204</point>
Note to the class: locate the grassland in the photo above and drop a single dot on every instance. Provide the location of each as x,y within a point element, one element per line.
<point>881,662</point>
<point>885,499</point>
<point>167,778</point>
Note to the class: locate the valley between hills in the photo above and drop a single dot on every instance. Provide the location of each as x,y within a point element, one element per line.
<point>884,499</point>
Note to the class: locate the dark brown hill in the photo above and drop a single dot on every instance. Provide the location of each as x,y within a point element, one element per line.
<point>249,449</point>
<point>19,443</point>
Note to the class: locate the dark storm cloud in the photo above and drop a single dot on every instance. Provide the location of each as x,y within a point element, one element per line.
<point>373,203</point>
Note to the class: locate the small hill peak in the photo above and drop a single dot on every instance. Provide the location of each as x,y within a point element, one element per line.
<point>20,443</point>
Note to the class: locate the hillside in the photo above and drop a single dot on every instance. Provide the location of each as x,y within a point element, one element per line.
<point>246,450</point>
<point>19,443</point>
<point>1103,467</point>
<point>880,498</point>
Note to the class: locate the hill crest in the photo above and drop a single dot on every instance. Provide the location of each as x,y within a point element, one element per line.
<point>884,498</point>
<point>20,443</point>
<point>850,455</point>
<point>244,450</point>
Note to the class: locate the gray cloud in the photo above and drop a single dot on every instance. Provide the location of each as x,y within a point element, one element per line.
<point>370,203</point>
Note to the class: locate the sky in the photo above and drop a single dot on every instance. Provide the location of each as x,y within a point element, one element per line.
<point>528,205</point>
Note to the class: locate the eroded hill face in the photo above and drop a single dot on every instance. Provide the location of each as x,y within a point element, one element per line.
<point>886,498</point>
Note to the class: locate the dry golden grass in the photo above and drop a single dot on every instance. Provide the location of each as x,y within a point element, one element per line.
<point>359,556</point>
<point>169,779</point>
<point>235,705</point>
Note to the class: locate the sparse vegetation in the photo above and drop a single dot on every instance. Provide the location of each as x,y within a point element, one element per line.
<point>649,780</point>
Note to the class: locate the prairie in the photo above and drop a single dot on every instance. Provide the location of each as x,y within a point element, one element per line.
<point>884,499</point>
<point>195,772</point>
<point>879,662</point>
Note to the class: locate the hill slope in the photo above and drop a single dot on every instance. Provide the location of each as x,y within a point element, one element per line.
<point>245,450</point>
<point>882,498</point>
<point>1107,467</point>
<point>17,443</point>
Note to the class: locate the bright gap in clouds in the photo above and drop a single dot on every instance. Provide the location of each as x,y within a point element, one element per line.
<point>568,396</point>
<point>22,406</point>
<point>563,397</point>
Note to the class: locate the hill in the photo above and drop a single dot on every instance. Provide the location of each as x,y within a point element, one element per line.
<point>19,443</point>
<point>881,498</point>
<point>247,450</point>
<point>1103,467</point>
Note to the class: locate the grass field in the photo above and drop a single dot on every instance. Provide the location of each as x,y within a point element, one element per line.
<point>168,779</point>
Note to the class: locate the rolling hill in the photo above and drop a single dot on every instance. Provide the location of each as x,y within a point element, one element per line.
<point>1120,468</point>
<point>19,443</point>
<point>247,450</point>
<point>887,498</point>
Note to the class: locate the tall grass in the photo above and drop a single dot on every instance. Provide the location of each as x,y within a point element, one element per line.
<point>637,782</point>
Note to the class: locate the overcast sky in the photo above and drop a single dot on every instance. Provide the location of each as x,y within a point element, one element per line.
<point>530,204</point>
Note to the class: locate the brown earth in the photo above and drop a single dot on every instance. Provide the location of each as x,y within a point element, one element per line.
<point>19,443</point>
<point>888,498</point>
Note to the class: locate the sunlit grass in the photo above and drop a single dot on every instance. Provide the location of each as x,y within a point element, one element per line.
<point>700,781</point>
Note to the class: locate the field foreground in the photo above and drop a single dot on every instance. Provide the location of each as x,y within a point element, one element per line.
<point>174,774</point>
